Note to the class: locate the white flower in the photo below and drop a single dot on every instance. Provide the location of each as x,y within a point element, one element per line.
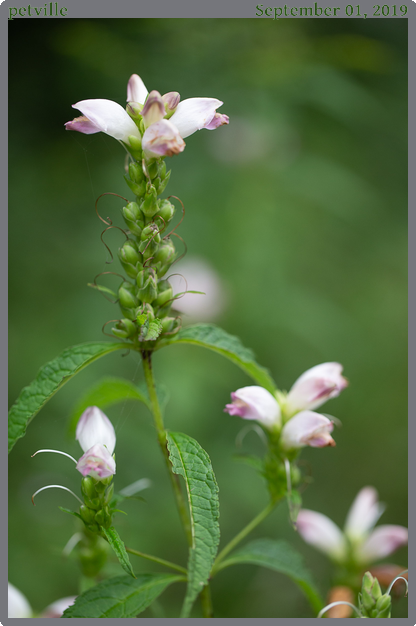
<point>255,403</point>
<point>97,462</point>
<point>167,120</point>
<point>314,387</point>
<point>358,538</point>
<point>95,427</point>
<point>307,429</point>
<point>18,606</point>
<point>57,608</point>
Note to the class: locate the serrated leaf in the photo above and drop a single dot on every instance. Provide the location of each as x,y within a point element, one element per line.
<point>117,544</point>
<point>193,463</point>
<point>280,557</point>
<point>122,596</point>
<point>50,378</point>
<point>154,330</point>
<point>214,338</point>
<point>107,392</point>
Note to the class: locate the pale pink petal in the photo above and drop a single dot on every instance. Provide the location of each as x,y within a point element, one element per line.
<point>219,119</point>
<point>162,139</point>
<point>171,99</point>
<point>83,125</point>
<point>382,541</point>
<point>363,514</point>
<point>193,114</point>
<point>95,427</point>
<point>97,462</point>
<point>321,532</point>
<point>136,90</point>
<point>255,403</point>
<point>307,429</point>
<point>57,608</point>
<point>109,117</point>
<point>154,109</point>
<point>315,386</point>
<point>18,606</point>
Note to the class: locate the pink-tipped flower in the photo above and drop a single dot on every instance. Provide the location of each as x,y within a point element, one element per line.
<point>97,462</point>
<point>255,403</point>
<point>136,90</point>
<point>162,139</point>
<point>358,541</point>
<point>57,608</point>
<point>314,387</point>
<point>95,427</point>
<point>18,606</point>
<point>307,429</point>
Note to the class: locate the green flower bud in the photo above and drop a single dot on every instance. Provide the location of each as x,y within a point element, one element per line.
<point>94,503</point>
<point>152,169</point>
<point>130,258</point>
<point>165,292</point>
<point>164,182</point>
<point>136,172</point>
<point>88,487</point>
<point>383,606</point>
<point>129,314</point>
<point>165,252</point>
<point>134,109</point>
<point>134,218</point>
<point>103,517</point>
<point>149,204</point>
<point>126,296</point>
<point>370,596</point>
<point>169,324</point>
<point>87,514</point>
<point>157,182</point>
<point>135,143</point>
<point>109,493</point>
<point>124,329</point>
<point>138,189</point>
<point>162,170</point>
<point>144,313</point>
<point>166,210</point>
<point>147,285</point>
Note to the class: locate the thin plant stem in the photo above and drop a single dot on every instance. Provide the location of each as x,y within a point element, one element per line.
<point>241,535</point>
<point>161,435</point>
<point>207,609</point>
<point>156,559</point>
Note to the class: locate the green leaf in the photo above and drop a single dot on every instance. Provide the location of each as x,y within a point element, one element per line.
<point>107,392</point>
<point>154,330</point>
<point>104,290</point>
<point>116,543</point>
<point>193,463</point>
<point>121,596</point>
<point>71,513</point>
<point>280,557</point>
<point>214,338</point>
<point>50,378</point>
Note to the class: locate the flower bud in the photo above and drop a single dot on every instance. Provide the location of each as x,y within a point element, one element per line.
<point>150,232</point>
<point>147,286</point>
<point>145,312</point>
<point>162,170</point>
<point>109,493</point>
<point>171,101</point>
<point>169,324</point>
<point>138,189</point>
<point>165,252</point>
<point>372,602</point>
<point>132,213</point>
<point>307,429</point>
<point>124,329</point>
<point>152,168</point>
<point>87,514</point>
<point>130,258</point>
<point>255,403</point>
<point>126,296</point>
<point>97,462</point>
<point>88,487</point>
<point>93,428</point>
<point>314,387</point>
<point>166,210</point>
<point>136,172</point>
<point>134,109</point>
<point>149,204</point>
<point>154,109</point>
<point>103,517</point>
<point>165,292</point>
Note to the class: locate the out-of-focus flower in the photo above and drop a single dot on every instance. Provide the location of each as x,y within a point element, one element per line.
<point>307,429</point>
<point>57,608</point>
<point>97,462</point>
<point>18,606</point>
<point>167,121</point>
<point>95,427</point>
<point>200,276</point>
<point>358,541</point>
<point>341,593</point>
<point>314,387</point>
<point>255,403</point>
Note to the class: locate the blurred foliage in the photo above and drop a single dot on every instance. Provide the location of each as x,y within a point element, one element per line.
<point>299,204</point>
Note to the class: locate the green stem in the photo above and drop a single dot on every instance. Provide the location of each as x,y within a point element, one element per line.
<point>161,435</point>
<point>207,609</point>
<point>156,559</point>
<point>241,535</point>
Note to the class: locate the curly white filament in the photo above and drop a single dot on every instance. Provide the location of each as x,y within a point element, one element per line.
<point>244,431</point>
<point>395,580</point>
<point>73,541</point>
<point>56,452</point>
<point>57,487</point>
<point>326,608</point>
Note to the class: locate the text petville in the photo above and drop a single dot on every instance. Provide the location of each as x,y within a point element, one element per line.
<point>51,9</point>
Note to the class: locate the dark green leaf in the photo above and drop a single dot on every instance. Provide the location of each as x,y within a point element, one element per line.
<point>116,543</point>
<point>193,463</point>
<point>281,557</point>
<point>121,596</point>
<point>214,338</point>
<point>107,392</point>
<point>51,378</point>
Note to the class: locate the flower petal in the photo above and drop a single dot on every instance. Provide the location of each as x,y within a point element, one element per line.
<point>109,117</point>
<point>97,462</point>
<point>307,429</point>
<point>18,606</point>
<point>162,139</point>
<point>382,541</point>
<point>255,403</point>
<point>94,427</point>
<point>363,514</point>
<point>219,119</point>
<point>315,386</point>
<point>83,125</point>
<point>193,114</point>
<point>154,109</point>
<point>57,608</point>
<point>321,532</point>
<point>136,90</point>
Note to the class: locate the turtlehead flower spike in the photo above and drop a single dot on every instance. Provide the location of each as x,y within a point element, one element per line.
<point>358,542</point>
<point>314,387</point>
<point>94,427</point>
<point>97,462</point>
<point>255,403</point>
<point>307,429</point>
<point>167,121</point>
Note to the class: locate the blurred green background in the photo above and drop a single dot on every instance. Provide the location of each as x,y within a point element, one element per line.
<point>300,207</point>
